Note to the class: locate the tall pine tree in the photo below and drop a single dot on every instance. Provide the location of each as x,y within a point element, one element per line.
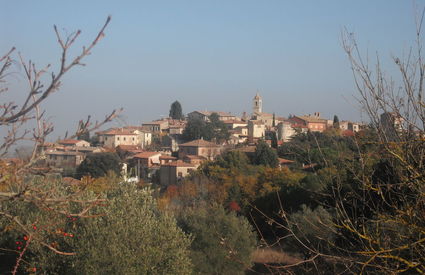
<point>176,110</point>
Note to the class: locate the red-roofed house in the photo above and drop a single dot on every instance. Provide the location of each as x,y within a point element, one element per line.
<point>124,136</point>
<point>200,147</point>
<point>285,162</point>
<point>74,142</point>
<point>64,159</point>
<point>156,126</point>
<point>147,159</point>
<point>313,123</point>
<point>163,159</point>
<point>196,160</point>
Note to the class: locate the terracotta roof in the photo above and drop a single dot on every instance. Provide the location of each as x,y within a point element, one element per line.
<point>208,113</point>
<point>146,155</point>
<point>312,119</point>
<point>128,147</point>
<point>309,166</point>
<point>179,164</point>
<point>70,141</point>
<point>65,153</point>
<point>155,122</point>
<point>133,128</point>
<point>199,143</point>
<point>167,157</point>
<point>120,131</point>
<point>194,157</point>
<point>348,133</point>
<point>257,122</point>
<point>285,161</point>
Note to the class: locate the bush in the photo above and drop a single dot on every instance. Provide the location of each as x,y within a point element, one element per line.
<point>223,242</point>
<point>98,164</point>
<point>130,236</point>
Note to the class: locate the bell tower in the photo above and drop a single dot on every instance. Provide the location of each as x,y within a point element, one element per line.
<point>257,104</point>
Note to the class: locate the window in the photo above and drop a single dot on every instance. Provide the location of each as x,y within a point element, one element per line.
<point>124,139</point>
<point>118,138</point>
<point>180,174</point>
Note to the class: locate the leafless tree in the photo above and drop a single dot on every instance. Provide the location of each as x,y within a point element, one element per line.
<point>20,184</point>
<point>391,238</point>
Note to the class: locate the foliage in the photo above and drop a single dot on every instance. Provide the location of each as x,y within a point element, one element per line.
<point>176,111</point>
<point>195,129</point>
<point>222,241</point>
<point>264,155</point>
<point>314,226</point>
<point>323,149</point>
<point>370,187</point>
<point>35,226</point>
<point>129,236</point>
<point>336,122</point>
<point>32,202</point>
<point>233,159</point>
<point>214,129</point>
<point>98,164</point>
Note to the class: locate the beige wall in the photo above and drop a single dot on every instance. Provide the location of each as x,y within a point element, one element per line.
<point>65,160</point>
<point>138,138</point>
<point>255,130</point>
<point>316,126</point>
<point>113,141</point>
<point>173,174</point>
<point>207,152</point>
<point>285,131</point>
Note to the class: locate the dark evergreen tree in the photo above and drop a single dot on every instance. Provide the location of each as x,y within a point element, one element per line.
<point>98,164</point>
<point>264,155</point>
<point>213,129</point>
<point>336,122</point>
<point>195,129</point>
<point>176,111</point>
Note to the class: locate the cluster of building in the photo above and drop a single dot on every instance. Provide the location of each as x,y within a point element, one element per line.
<point>157,148</point>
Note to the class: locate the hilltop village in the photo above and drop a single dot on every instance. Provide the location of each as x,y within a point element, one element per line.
<point>167,149</point>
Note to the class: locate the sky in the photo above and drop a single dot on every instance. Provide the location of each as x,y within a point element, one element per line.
<point>208,54</point>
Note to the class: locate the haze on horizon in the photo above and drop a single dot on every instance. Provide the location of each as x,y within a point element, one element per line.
<point>208,55</point>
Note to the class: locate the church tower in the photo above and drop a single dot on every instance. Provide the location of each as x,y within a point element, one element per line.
<point>257,106</point>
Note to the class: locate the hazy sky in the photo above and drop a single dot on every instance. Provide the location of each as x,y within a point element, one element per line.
<point>211,55</point>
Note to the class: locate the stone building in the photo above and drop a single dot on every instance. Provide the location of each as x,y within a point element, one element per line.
<point>124,136</point>
<point>173,172</point>
<point>256,130</point>
<point>200,147</point>
<point>313,122</point>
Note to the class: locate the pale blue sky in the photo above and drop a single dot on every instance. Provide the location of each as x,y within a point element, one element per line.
<point>210,55</point>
